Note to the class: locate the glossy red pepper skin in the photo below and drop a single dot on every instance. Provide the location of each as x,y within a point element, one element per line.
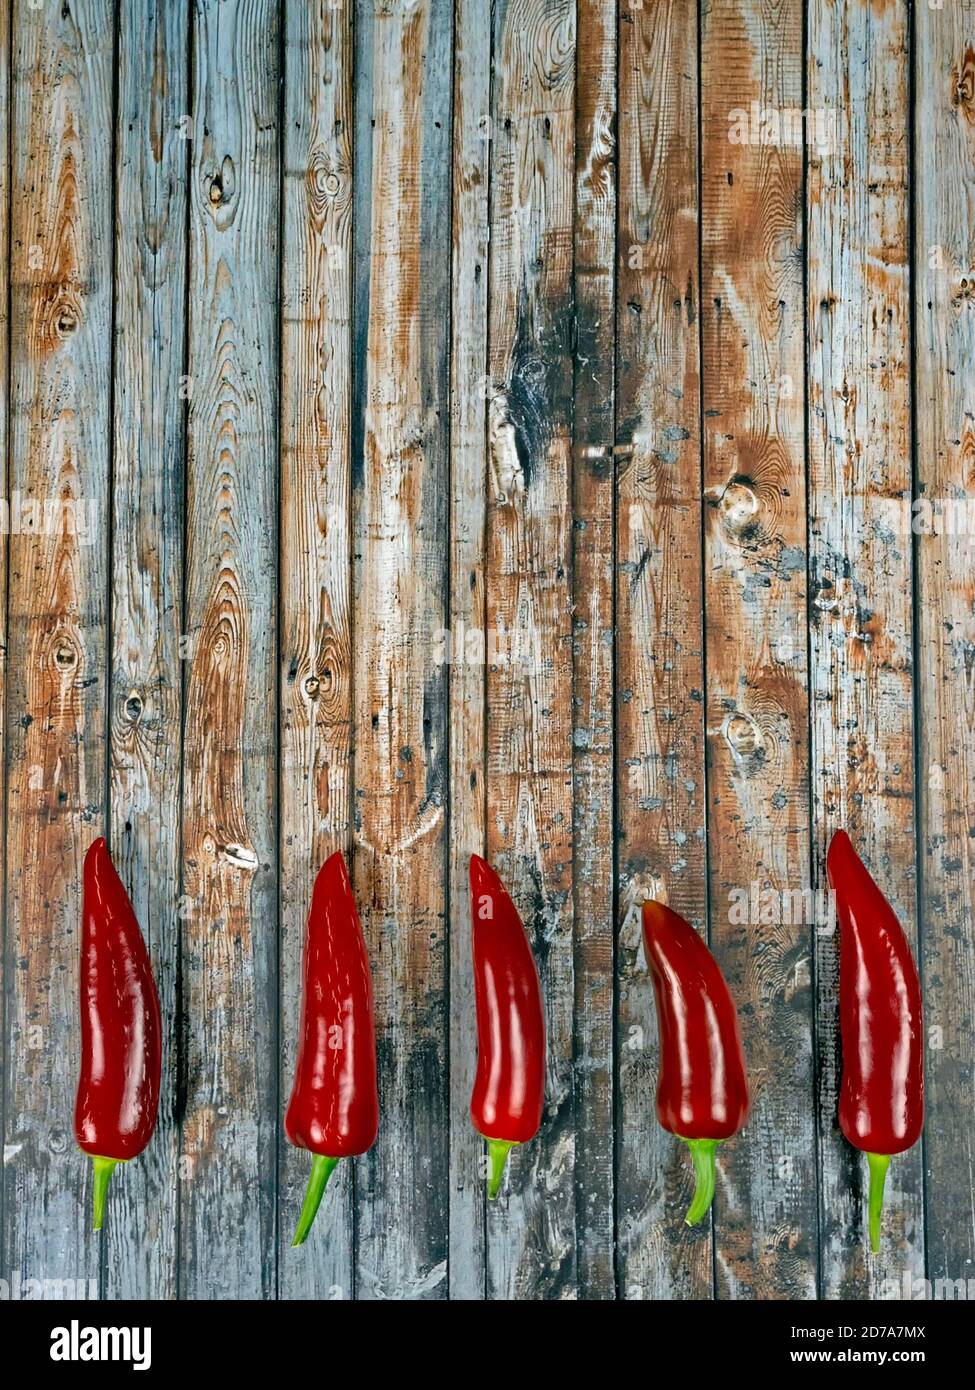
<point>334,1106</point>
<point>509,1086</point>
<point>121,1028</point>
<point>881,1109</point>
<point>702,1092</point>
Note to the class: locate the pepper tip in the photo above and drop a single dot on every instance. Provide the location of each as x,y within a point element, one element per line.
<point>839,848</point>
<point>98,849</point>
<point>334,867</point>
<point>479,872</point>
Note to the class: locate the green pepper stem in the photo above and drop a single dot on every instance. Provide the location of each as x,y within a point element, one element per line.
<point>879,1163</point>
<point>104,1168</point>
<point>322,1169</point>
<point>498,1150</point>
<point>702,1155</point>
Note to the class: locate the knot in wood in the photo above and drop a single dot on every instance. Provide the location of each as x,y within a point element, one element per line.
<point>323,182</point>
<point>66,320</point>
<point>134,706</point>
<point>311,687</point>
<point>221,187</point>
<point>57,1141</point>
<point>331,183</point>
<point>965,293</point>
<point>739,507</point>
<point>743,735</point>
<point>963,84</point>
<point>65,656</point>
<point>240,856</point>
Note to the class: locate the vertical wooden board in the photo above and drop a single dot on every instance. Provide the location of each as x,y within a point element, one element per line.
<point>316,552</point>
<point>5,65</point>
<point>147,560</point>
<point>660,662</point>
<point>862,756</point>
<point>464,646</point>
<point>592,648</point>
<point>60,374</point>
<point>229,803</point>
<point>944,303</point>
<point>756,631</point>
<point>401,550</point>
<point>531,1230</point>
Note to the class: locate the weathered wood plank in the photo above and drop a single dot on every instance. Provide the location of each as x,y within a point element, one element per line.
<point>60,376</point>
<point>531,1230</point>
<point>229,803</point>
<point>5,183</point>
<point>862,757</point>
<point>401,548</point>
<point>755,562</point>
<point>592,578</point>
<point>660,676</point>
<point>147,562</point>
<point>944,302</point>
<point>467,651</point>
<point>316,557</point>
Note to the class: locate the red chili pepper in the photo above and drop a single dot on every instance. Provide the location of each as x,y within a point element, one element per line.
<point>702,1094</point>
<point>881,1107</point>
<point>334,1106</point>
<point>121,1029</point>
<point>509,1088</point>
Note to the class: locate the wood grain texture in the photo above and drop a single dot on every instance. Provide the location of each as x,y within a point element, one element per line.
<point>60,380</point>
<point>861,692</point>
<point>660,662</point>
<point>5,247</point>
<point>944,307</point>
<point>4,416</point>
<point>464,643</point>
<point>531,1230</point>
<point>401,550</point>
<point>485,428</point>
<point>316,557</point>
<point>755,603</point>
<point>147,568</point>
<point>593,566</point>
<point>229,804</point>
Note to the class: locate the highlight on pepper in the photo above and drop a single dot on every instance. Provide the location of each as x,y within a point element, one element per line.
<point>121,1028</point>
<point>509,1086</point>
<point>881,1109</point>
<point>334,1106</point>
<point>702,1093</point>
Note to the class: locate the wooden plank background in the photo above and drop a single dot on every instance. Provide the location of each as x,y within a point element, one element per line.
<point>432,428</point>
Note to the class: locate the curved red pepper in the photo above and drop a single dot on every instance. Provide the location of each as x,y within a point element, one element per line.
<point>702,1094</point>
<point>121,1028</point>
<point>881,1108</point>
<point>509,1087</point>
<point>334,1106</point>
